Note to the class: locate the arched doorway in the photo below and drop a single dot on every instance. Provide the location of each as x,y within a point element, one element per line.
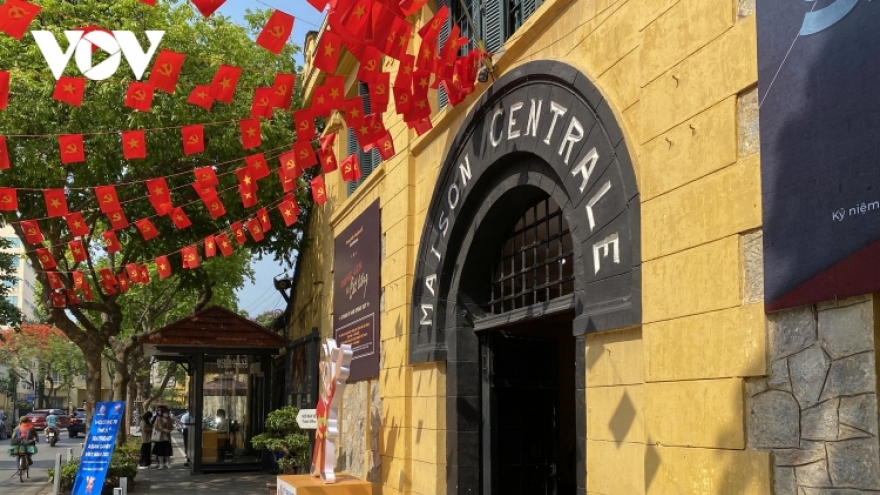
<point>531,242</point>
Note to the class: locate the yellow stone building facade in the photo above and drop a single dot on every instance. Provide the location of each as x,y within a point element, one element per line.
<point>666,358</point>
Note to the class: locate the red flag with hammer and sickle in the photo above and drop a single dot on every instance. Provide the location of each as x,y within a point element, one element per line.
<point>4,154</point>
<point>31,231</point>
<point>193,139</point>
<point>304,121</point>
<point>16,16</point>
<point>350,168</point>
<point>288,184</point>
<point>254,228</point>
<point>305,156</point>
<point>111,242</point>
<point>148,230</point>
<point>319,190</point>
<point>207,7</point>
<point>238,233</point>
<point>139,96</point>
<point>79,280</point>
<point>190,256</point>
<point>8,199</point>
<point>261,106</point>
<point>46,259</point>
<point>107,199</point>
<point>4,89</point>
<point>206,177</point>
<point>288,169</point>
<point>282,90</point>
<point>276,32</point>
<point>71,146</point>
<point>117,219</point>
<point>165,70</point>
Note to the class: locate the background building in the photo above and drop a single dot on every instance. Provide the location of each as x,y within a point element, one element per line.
<point>23,294</point>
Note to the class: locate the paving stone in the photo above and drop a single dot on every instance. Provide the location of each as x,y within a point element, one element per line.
<point>820,422</point>
<point>831,491</point>
<point>847,330</point>
<point>798,457</point>
<point>774,420</point>
<point>779,377</point>
<point>753,242</point>
<point>815,474</point>
<point>784,481</point>
<point>859,412</point>
<point>855,463</point>
<point>790,331</point>
<point>755,386</point>
<point>851,376</point>
<point>848,433</point>
<point>808,369</point>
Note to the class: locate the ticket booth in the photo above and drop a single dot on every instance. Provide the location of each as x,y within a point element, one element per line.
<point>229,361</point>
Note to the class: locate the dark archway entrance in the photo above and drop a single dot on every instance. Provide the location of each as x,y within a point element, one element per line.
<point>541,134</point>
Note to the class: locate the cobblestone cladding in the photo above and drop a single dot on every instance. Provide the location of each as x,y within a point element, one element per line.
<point>817,410</point>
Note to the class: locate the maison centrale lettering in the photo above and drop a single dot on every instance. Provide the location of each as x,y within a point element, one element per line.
<point>553,125</point>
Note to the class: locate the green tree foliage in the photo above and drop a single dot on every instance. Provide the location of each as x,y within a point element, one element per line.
<point>284,436</point>
<point>266,318</point>
<point>9,314</point>
<point>36,160</point>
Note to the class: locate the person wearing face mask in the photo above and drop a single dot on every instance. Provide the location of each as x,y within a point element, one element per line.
<point>162,449</point>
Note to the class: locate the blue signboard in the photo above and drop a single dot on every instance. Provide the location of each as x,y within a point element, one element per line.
<point>99,448</point>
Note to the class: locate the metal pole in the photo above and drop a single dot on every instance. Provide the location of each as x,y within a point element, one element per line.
<point>123,486</point>
<point>82,448</point>
<point>69,454</point>
<point>56,489</point>
<point>117,491</point>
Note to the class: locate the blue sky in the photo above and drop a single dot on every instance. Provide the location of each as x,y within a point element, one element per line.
<point>261,295</point>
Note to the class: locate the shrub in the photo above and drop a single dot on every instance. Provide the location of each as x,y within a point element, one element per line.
<point>122,465</point>
<point>283,436</point>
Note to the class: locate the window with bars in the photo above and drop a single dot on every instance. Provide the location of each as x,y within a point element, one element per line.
<point>370,160</point>
<point>493,21</point>
<point>536,261</point>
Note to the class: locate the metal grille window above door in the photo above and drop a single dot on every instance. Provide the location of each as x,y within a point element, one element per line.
<point>536,261</point>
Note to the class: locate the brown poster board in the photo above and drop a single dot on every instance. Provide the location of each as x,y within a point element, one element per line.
<point>356,291</point>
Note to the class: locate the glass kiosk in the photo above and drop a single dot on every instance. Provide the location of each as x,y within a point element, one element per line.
<point>229,362</point>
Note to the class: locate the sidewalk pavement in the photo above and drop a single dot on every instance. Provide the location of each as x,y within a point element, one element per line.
<point>178,481</point>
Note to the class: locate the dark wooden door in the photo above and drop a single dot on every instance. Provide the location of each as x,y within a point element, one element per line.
<point>519,387</point>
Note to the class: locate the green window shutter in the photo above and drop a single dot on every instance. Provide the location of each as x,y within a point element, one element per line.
<point>529,8</point>
<point>442,98</point>
<point>494,29</point>
<point>351,148</point>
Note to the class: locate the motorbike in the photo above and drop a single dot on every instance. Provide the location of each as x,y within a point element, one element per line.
<point>51,436</point>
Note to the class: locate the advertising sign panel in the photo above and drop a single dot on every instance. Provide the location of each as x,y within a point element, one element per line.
<point>99,448</point>
<point>357,290</point>
<point>820,149</point>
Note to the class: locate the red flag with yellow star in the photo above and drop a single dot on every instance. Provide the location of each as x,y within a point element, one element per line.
<point>76,251</point>
<point>166,70</point>
<point>76,224</point>
<point>257,165</point>
<point>275,33</point>
<point>46,259</point>
<point>4,89</point>
<point>327,53</point>
<point>179,218</point>
<point>250,133</point>
<point>159,194</point>
<point>134,145</point>
<point>288,212</point>
<point>59,300</point>
<point>123,283</point>
<point>193,137</point>
<point>210,247</point>
<point>336,87</point>
<point>328,160</point>
<point>163,267</point>
<point>32,232</point>
<point>56,202</point>
<point>208,7</point>
<point>71,146</point>
<point>358,18</point>
<point>55,282</point>
<point>319,190</point>
<point>354,111</point>
<point>111,242</point>
<point>201,96</point>
<point>224,83</point>
<point>16,16</point>
<point>223,244</point>
<point>70,90</point>
<point>139,96</point>
<point>263,215</point>
<point>8,199</point>
<point>72,298</point>
<point>148,230</point>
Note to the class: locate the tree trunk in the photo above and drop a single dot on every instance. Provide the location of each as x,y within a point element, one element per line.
<point>93,381</point>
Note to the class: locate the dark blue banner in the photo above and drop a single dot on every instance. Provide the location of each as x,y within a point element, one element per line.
<point>99,448</point>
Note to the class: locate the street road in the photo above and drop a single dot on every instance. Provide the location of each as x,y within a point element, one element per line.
<point>44,459</point>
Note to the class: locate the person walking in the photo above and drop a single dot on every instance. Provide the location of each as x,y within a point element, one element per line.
<point>184,423</point>
<point>146,443</point>
<point>164,425</point>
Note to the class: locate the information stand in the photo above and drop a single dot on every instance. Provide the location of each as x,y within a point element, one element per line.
<point>304,484</point>
<point>98,448</point>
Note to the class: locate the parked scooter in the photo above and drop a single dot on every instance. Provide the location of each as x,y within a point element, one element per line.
<point>51,436</point>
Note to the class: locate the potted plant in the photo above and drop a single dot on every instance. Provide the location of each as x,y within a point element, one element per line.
<point>284,438</point>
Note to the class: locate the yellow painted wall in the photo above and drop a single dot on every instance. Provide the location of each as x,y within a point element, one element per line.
<point>664,400</point>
